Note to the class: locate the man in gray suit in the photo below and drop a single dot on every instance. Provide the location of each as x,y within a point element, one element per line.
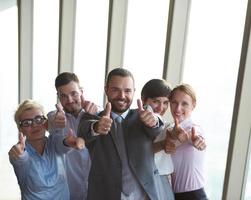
<point>120,144</point>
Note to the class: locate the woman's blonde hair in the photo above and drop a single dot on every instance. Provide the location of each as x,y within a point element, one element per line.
<point>186,88</point>
<point>27,104</point>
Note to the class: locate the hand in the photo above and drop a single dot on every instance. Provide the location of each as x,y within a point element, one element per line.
<point>59,120</point>
<point>89,106</point>
<point>170,146</point>
<point>181,134</point>
<point>146,115</point>
<point>198,141</point>
<point>103,126</point>
<point>17,149</point>
<point>72,141</point>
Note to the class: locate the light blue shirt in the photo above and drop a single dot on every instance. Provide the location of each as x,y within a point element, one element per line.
<point>77,161</point>
<point>43,177</point>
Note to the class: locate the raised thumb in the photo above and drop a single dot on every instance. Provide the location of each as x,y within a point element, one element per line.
<point>107,111</point>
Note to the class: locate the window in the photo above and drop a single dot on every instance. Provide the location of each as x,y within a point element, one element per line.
<point>9,100</point>
<point>145,40</point>
<point>211,67</point>
<point>45,52</point>
<point>90,47</point>
<point>248,183</point>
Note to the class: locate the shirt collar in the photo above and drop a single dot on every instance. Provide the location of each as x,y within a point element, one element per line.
<point>82,111</point>
<point>123,115</point>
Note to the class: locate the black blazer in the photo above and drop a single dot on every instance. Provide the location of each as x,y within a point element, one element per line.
<point>105,178</point>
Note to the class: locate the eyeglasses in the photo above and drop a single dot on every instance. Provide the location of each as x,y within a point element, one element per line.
<point>73,94</point>
<point>39,119</point>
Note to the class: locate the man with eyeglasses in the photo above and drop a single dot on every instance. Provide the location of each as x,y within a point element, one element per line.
<point>67,115</point>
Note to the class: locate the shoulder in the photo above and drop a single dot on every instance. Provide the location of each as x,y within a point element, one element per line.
<point>132,115</point>
<point>197,126</point>
<point>50,114</point>
<point>88,116</point>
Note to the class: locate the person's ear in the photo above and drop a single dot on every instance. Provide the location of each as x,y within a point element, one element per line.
<point>194,104</point>
<point>106,89</point>
<point>81,90</point>
<point>21,130</point>
<point>46,124</point>
<point>143,100</point>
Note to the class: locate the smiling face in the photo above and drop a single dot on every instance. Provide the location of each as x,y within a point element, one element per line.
<point>34,131</point>
<point>156,93</point>
<point>70,97</point>
<point>120,91</point>
<point>158,104</point>
<point>181,105</point>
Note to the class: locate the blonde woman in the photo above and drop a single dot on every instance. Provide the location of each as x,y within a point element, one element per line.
<point>38,160</point>
<point>188,136</point>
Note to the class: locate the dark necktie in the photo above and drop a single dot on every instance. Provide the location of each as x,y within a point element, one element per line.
<point>127,185</point>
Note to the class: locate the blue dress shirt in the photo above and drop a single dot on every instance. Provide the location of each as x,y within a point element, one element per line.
<point>77,162</point>
<point>43,177</point>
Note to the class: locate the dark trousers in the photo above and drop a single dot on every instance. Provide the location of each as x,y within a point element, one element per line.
<point>192,195</point>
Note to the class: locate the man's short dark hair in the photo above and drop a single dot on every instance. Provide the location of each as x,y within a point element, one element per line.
<point>119,72</point>
<point>65,78</point>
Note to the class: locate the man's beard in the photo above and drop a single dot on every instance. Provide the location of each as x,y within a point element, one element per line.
<point>74,109</point>
<point>118,109</point>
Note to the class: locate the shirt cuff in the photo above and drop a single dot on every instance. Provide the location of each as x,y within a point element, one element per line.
<point>93,133</point>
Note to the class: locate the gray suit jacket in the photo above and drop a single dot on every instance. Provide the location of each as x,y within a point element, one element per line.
<point>105,178</point>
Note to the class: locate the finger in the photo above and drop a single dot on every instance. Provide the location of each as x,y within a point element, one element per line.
<point>69,140</point>
<point>170,147</point>
<point>149,119</point>
<point>93,109</point>
<point>194,136</point>
<point>59,110</point>
<point>21,140</point>
<point>90,107</point>
<point>59,107</point>
<point>13,153</point>
<point>203,147</point>
<point>108,108</point>
<point>140,105</point>
<point>82,99</point>
<point>84,103</point>
<point>148,107</point>
<point>80,143</point>
<point>176,122</point>
<point>200,146</point>
<point>87,105</point>
<point>199,143</point>
<point>70,132</point>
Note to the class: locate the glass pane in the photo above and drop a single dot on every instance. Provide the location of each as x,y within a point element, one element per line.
<point>248,183</point>
<point>145,40</point>
<point>45,51</point>
<point>90,47</point>
<point>9,97</point>
<point>211,67</point>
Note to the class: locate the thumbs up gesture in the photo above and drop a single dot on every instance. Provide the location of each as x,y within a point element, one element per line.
<point>197,140</point>
<point>103,126</point>
<point>89,106</point>
<point>180,133</point>
<point>146,115</point>
<point>72,141</point>
<point>170,146</point>
<point>59,120</point>
<point>17,149</point>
